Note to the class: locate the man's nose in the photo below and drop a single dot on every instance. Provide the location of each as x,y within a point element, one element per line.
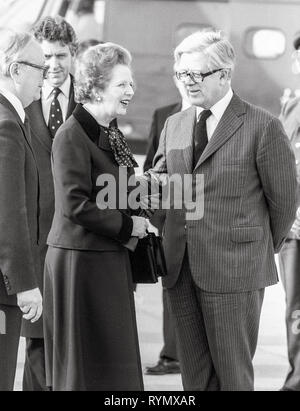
<point>189,80</point>
<point>53,62</point>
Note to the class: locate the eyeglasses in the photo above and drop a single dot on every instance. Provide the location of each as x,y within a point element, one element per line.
<point>44,69</point>
<point>195,75</point>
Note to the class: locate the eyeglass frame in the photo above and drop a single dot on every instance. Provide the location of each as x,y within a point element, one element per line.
<point>44,69</point>
<point>190,73</point>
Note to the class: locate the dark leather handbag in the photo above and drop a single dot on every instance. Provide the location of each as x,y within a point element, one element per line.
<point>148,260</point>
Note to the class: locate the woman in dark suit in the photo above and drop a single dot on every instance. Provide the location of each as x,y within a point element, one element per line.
<point>90,326</point>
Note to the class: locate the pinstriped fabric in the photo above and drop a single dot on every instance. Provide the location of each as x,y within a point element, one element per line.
<point>249,198</point>
<point>217,335</point>
<point>197,369</point>
<point>249,206</point>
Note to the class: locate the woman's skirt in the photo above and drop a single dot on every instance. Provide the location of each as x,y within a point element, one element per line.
<point>91,338</point>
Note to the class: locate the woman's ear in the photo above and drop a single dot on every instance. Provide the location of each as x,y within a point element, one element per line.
<point>98,98</point>
<point>96,95</point>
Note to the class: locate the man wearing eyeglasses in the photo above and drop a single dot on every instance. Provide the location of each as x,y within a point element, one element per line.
<point>56,103</point>
<point>21,79</point>
<point>219,264</point>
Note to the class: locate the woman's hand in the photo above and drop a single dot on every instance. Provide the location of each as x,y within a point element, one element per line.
<point>140,225</point>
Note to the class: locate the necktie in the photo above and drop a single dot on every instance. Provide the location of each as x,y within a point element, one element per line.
<point>200,138</point>
<point>55,116</point>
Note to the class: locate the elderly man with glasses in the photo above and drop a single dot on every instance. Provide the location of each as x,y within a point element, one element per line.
<point>21,78</point>
<point>220,262</point>
<point>59,44</point>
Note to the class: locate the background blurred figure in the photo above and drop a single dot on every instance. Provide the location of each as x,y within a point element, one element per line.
<point>84,45</point>
<point>90,325</point>
<point>289,257</point>
<point>168,359</point>
<point>59,43</point>
<point>21,78</point>
<point>86,25</point>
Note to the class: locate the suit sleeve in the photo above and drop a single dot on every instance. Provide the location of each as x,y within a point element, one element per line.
<point>16,254</point>
<point>159,165</point>
<point>151,180</point>
<point>153,143</point>
<point>277,170</point>
<point>71,166</point>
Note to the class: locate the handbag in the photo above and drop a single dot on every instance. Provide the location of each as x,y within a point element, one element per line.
<point>148,260</point>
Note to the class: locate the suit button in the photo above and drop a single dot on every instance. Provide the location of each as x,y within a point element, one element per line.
<point>185,226</point>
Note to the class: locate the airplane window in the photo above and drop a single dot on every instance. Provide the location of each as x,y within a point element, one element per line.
<point>265,43</point>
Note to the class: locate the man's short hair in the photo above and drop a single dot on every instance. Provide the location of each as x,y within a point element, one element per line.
<point>56,29</point>
<point>12,44</point>
<point>212,44</point>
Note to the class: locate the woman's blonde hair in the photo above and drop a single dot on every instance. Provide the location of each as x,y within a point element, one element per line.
<point>93,69</point>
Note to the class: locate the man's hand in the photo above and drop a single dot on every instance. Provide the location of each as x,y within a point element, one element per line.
<point>153,229</point>
<point>296,226</point>
<point>150,197</point>
<point>140,225</point>
<point>31,304</point>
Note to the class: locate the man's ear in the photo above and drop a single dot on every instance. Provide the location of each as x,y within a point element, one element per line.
<point>14,70</point>
<point>225,75</point>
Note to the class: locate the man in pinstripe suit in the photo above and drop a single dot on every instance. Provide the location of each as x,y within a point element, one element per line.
<point>219,265</point>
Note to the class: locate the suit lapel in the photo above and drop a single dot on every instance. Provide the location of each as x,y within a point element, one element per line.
<point>26,132</point>
<point>176,109</point>
<point>186,129</point>
<point>72,103</point>
<point>38,125</point>
<point>230,122</point>
<point>6,103</point>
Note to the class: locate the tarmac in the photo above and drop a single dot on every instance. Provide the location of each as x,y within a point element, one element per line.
<point>270,361</point>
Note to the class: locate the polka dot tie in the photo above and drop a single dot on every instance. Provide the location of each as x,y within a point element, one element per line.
<point>119,147</point>
<point>55,116</point>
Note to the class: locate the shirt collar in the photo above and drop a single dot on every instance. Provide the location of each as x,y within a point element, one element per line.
<point>65,88</point>
<point>219,108</point>
<point>15,102</point>
<point>87,122</point>
<point>185,104</point>
<point>92,128</point>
